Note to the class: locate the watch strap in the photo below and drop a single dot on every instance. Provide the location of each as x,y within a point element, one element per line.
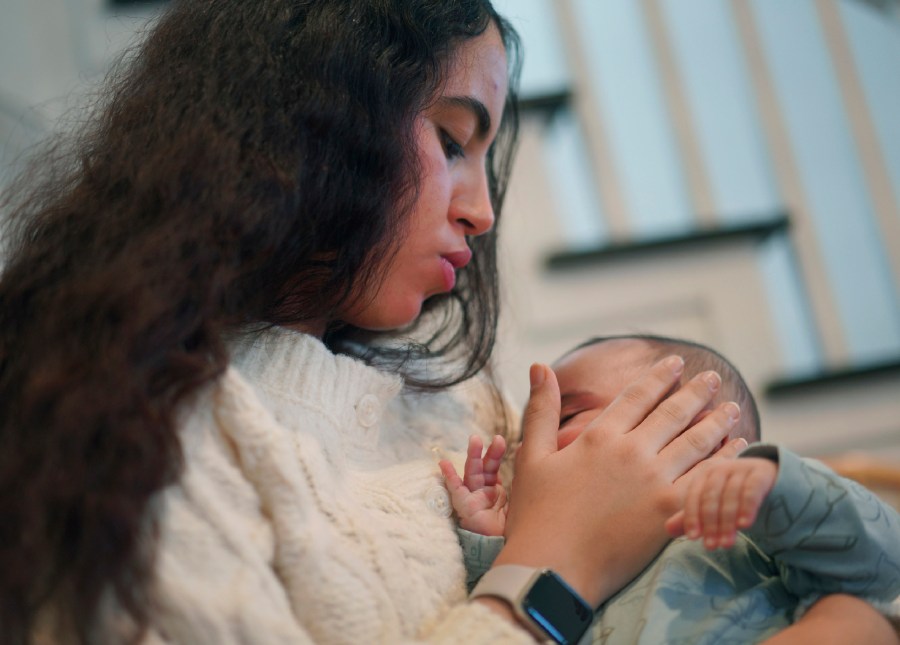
<point>510,582</point>
<point>507,581</point>
<point>542,601</point>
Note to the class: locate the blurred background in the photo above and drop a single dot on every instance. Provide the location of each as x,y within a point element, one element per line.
<point>722,170</point>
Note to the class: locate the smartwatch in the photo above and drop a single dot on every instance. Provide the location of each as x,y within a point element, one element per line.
<point>545,604</point>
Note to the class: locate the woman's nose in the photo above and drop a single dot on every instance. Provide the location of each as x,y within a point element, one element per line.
<point>472,207</point>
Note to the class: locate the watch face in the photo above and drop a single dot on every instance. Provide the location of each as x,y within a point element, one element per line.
<point>553,605</point>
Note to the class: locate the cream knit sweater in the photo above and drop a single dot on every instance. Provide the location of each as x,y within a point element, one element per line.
<point>311,508</point>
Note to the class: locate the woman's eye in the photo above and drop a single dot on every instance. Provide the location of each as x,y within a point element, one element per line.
<point>451,148</point>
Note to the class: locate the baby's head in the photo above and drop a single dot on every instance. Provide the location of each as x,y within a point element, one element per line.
<point>594,373</point>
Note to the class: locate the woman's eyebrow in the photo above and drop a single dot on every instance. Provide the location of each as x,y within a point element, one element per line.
<point>473,105</point>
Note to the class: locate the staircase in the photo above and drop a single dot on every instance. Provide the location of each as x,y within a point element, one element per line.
<point>727,171</point>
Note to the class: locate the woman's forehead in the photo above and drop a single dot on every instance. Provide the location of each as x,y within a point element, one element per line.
<point>479,70</point>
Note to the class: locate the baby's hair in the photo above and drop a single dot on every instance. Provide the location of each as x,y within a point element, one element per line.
<point>699,358</point>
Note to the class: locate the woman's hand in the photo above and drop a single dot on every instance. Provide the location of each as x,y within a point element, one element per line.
<point>594,511</point>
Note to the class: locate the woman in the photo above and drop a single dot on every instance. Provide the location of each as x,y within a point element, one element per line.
<point>213,427</point>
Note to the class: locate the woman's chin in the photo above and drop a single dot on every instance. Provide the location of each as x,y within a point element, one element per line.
<point>388,317</point>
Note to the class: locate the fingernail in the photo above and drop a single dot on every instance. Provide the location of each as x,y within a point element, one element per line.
<point>536,374</point>
<point>733,410</point>
<point>740,443</point>
<point>713,380</point>
<point>675,363</point>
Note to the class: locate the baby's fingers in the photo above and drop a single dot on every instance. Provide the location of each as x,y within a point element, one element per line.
<point>473,474</point>
<point>757,484</point>
<point>492,459</point>
<point>500,501</point>
<point>729,510</point>
<point>690,514</point>
<point>742,496</point>
<point>451,477</point>
<point>711,503</point>
<point>723,499</point>
<point>675,525</point>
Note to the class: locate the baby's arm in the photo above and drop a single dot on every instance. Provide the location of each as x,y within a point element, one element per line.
<point>826,534</point>
<point>724,498</point>
<point>479,498</point>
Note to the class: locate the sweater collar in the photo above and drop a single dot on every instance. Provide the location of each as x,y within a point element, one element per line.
<point>293,363</point>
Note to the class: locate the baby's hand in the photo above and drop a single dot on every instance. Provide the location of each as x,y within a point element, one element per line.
<point>724,497</point>
<point>479,498</point>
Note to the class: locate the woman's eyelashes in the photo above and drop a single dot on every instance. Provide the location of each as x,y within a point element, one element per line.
<point>452,149</point>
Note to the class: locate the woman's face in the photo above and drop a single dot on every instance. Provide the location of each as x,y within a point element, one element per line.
<point>453,136</point>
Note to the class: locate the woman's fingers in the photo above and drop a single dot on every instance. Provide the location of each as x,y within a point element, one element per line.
<point>679,410</point>
<point>697,442</point>
<point>639,398</point>
<point>540,422</point>
<point>731,449</point>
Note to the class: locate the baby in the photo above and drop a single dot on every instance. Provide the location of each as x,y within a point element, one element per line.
<point>759,540</point>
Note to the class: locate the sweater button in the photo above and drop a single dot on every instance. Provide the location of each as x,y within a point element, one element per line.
<point>368,410</point>
<point>438,500</point>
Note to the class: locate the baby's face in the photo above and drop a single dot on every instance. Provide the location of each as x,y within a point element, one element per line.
<point>591,377</point>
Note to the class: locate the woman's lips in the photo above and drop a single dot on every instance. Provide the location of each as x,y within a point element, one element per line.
<point>458,259</point>
<point>450,262</point>
<point>449,274</point>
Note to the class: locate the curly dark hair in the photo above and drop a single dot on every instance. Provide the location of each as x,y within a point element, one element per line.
<point>248,165</point>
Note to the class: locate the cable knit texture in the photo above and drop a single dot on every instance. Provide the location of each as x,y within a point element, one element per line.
<point>311,507</point>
